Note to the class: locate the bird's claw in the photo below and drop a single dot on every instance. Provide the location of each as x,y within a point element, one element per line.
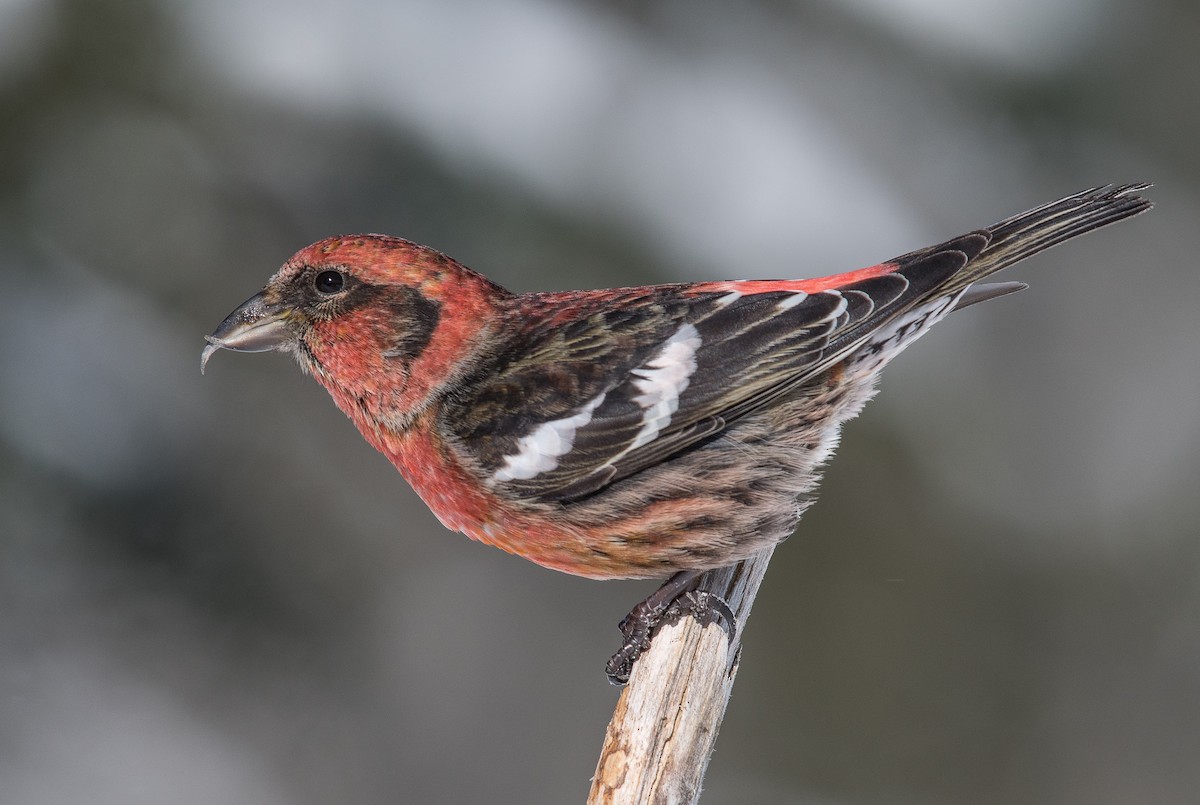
<point>704,606</point>
<point>643,622</point>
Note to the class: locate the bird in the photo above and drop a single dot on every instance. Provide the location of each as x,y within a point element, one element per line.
<point>644,432</point>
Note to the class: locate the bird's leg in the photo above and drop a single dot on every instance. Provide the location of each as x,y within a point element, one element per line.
<point>638,626</point>
<point>675,599</point>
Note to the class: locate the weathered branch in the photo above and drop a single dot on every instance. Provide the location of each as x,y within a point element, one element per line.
<point>662,732</point>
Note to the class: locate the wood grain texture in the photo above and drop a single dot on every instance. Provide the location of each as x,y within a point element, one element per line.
<point>665,724</point>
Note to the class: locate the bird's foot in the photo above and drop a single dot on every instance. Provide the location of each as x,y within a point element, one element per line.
<point>670,603</point>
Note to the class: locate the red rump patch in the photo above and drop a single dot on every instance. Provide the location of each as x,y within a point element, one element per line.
<point>807,286</point>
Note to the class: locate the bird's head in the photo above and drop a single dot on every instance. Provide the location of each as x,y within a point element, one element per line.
<point>370,316</point>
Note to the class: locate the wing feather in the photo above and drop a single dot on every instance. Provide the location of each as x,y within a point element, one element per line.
<point>660,372</point>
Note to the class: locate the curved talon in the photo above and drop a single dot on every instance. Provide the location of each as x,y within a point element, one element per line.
<point>644,620</point>
<point>620,665</point>
<point>706,607</point>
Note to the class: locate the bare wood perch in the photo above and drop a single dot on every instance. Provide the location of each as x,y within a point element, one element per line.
<point>662,732</point>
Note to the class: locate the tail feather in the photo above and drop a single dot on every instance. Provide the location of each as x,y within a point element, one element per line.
<point>1028,233</point>
<point>943,278</point>
<point>987,290</point>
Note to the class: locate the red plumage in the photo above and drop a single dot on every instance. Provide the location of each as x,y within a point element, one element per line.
<point>634,432</point>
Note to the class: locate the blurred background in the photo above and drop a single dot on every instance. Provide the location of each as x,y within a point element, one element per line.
<point>212,590</point>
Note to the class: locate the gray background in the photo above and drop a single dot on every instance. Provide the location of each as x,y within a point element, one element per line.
<point>211,590</point>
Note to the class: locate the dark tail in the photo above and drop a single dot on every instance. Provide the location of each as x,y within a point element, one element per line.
<point>1009,241</point>
<point>956,266</point>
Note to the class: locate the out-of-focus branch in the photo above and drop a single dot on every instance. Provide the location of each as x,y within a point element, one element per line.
<point>662,732</point>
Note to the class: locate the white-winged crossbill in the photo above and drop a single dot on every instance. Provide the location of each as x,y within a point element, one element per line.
<point>626,433</point>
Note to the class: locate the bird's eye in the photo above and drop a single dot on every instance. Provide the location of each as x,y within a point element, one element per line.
<point>329,282</point>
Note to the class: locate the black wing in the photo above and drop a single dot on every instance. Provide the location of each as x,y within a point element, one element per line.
<point>627,381</point>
